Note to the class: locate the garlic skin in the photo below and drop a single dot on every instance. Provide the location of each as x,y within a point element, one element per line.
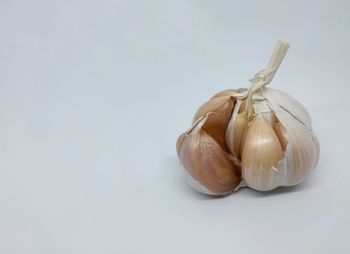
<point>258,137</point>
<point>301,146</point>
<point>287,103</point>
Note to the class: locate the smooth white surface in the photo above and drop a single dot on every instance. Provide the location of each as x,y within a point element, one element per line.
<point>93,95</point>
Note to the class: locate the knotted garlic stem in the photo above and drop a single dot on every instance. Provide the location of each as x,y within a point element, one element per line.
<point>264,77</point>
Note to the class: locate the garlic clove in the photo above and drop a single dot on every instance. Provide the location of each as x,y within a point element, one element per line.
<point>263,162</point>
<point>183,136</point>
<point>225,93</point>
<point>221,103</point>
<point>210,170</point>
<point>179,142</point>
<point>220,111</point>
<point>235,130</point>
<point>300,144</point>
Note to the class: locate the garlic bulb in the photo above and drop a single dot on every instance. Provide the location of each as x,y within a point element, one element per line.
<point>257,137</point>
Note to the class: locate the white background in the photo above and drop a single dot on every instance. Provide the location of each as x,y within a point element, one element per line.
<point>93,95</point>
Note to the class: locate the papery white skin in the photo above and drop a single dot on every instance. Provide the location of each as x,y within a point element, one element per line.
<point>289,104</point>
<point>302,150</point>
